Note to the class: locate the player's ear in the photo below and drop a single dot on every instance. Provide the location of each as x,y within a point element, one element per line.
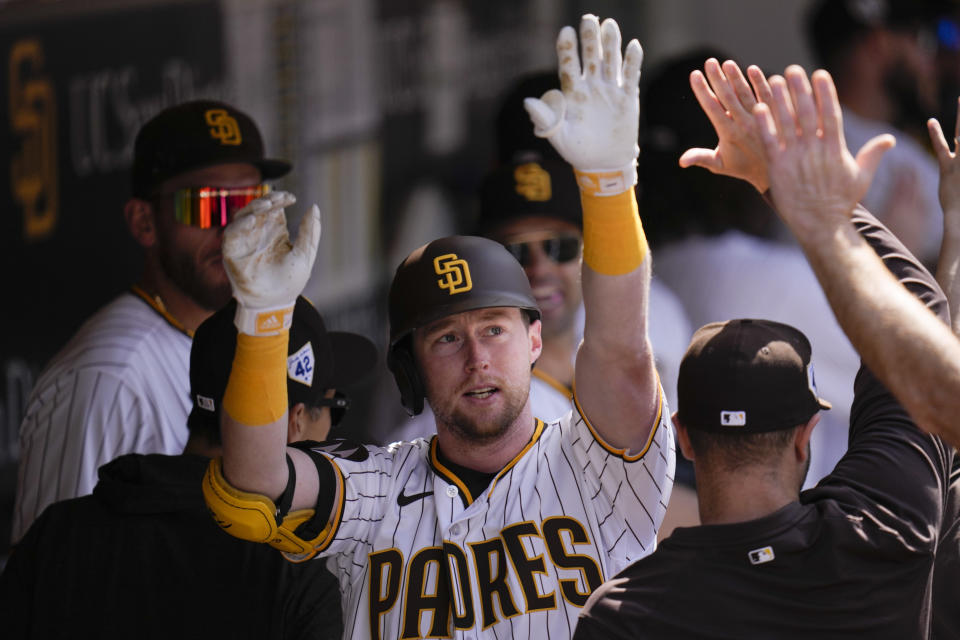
<point>536,340</point>
<point>683,438</point>
<point>138,214</point>
<point>801,438</point>
<point>295,423</point>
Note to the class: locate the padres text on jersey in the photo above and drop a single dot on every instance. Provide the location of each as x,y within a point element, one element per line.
<point>418,556</point>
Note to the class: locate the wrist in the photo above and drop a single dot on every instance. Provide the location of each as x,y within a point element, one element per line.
<point>607,182</point>
<point>951,223</point>
<point>761,184</point>
<point>613,238</point>
<point>264,321</point>
<point>256,392</point>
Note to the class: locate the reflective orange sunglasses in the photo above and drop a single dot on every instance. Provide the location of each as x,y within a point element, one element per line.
<point>206,207</point>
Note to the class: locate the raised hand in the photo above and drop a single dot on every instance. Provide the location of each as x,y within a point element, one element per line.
<point>728,101</point>
<point>948,263</point>
<point>592,121</point>
<point>814,180</point>
<point>266,271</point>
<point>949,173</point>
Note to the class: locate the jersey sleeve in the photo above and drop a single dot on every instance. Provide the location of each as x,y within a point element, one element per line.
<point>73,426</point>
<point>890,463</point>
<point>628,491</point>
<point>365,475</point>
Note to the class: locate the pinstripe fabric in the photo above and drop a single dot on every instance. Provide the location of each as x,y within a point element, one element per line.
<point>121,385</point>
<point>418,556</point>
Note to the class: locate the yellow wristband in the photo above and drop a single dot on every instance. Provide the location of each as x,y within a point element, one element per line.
<point>257,389</point>
<point>613,239</point>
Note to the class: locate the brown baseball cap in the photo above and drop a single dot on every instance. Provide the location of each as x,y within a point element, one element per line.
<point>530,186</point>
<point>747,376</point>
<point>195,135</point>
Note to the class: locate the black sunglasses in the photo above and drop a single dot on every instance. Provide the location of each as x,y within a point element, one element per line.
<point>560,249</point>
<point>338,404</point>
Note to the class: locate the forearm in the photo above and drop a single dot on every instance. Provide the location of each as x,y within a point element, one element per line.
<point>254,456</point>
<point>615,360</point>
<point>948,275</point>
<point>908,348</point>
<point>254,417</point>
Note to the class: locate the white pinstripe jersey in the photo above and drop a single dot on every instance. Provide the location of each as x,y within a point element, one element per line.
<point>120,385</point>
<point>419,557</point>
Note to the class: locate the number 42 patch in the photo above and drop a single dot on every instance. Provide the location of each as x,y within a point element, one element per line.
<point>300,365</point>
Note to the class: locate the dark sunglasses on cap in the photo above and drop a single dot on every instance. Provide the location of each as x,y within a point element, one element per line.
<point>206,207</point>
<point>560,249</point>
<point>338,404</point>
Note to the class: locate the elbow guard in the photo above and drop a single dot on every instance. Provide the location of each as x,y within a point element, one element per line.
<point>255,517</point>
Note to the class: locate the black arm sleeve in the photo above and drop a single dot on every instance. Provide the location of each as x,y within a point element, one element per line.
<point>327,480</point>
<point>890,463</point>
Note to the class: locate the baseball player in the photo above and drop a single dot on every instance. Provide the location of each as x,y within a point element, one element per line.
<point>500,525</point>
<point>946,616</point>
<point>121,384</point>
<point>853,556</point>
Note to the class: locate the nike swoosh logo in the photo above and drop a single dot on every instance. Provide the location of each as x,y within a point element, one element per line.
<point>404,500</point>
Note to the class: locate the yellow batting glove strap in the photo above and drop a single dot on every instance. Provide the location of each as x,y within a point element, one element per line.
<point>613,238</point>
<point>248,516</point>
<point>607,182</point>
<point>256,392</point>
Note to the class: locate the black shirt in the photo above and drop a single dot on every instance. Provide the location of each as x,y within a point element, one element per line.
<point>853,557</point>
<point>142,558</point>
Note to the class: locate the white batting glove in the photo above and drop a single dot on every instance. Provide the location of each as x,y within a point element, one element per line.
<point>266,271</point>
<point>593,120</point>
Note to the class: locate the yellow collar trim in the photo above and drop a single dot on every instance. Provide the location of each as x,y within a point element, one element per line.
<point>448,473</point>
<point>157,304</point>
<point>452,477</point>
<point>553,382</point>
<point>537,432</point>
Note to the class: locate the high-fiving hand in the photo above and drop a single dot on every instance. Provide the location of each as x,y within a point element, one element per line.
<point>592,121</point>
<point>728,101</point>
<point>949,162</point>
<point>814,179</point>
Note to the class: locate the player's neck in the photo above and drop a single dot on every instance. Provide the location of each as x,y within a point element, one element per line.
<point>487,457</point>
<point>173,300</point>
<point>746,494</point>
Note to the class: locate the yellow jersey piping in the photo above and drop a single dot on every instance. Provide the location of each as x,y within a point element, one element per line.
<point>157,306</point>
<point>622,453</point>
<point>553,382</point>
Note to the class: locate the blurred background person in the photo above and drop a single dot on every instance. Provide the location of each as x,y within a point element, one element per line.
<point>121,384</point>
<point>882,55</point>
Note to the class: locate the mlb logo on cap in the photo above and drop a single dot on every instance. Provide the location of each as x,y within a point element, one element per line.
<point>733,418</point>
<point>761,367</point>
